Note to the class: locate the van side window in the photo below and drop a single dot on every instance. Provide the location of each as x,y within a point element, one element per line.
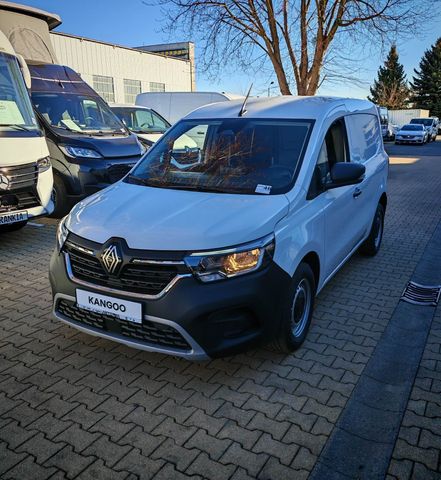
<point>334,149</point>
<point>365,136</point>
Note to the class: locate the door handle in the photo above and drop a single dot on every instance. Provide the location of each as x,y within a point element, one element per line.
<point>357,192</point>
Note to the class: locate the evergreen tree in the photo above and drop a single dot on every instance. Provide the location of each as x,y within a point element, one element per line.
<point>390,89</point>
<point>426,84</point>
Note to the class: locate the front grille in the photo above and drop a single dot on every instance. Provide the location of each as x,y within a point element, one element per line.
<point>144,279</point>
<point>118,171</point>
<point>156,334</point>
<point>18,187</point>
<point>18,201</point>
<point>21,176</point>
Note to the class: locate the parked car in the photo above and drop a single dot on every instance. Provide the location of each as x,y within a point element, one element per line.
<point>222,247</point>
<point>430,124</point>
<point>387,131</point>
<point>412,133</point>
<point>144,122</point>
<point>25,167</point>
<point>175,105</point>
<point>89,146</point>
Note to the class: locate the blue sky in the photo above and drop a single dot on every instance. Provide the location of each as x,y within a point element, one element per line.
<point>133,23</point>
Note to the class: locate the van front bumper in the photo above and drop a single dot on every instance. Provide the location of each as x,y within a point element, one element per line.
<point>192,319</point>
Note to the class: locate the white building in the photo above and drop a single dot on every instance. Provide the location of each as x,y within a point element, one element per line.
<point>119,73</point>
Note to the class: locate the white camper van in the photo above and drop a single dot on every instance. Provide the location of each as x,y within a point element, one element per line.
<point>175,105</point>
<point>25,168</point>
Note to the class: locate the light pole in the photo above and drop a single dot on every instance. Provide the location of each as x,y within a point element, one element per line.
<point>269,88</point>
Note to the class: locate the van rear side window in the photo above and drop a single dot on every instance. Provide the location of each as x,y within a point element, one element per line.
<point>365,136</point>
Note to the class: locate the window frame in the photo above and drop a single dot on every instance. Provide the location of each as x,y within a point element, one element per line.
<point>314,192</point>
<point>107,96</point>
<point>131,85</point>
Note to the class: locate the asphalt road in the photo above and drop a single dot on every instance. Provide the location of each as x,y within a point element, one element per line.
<point>428,149</point>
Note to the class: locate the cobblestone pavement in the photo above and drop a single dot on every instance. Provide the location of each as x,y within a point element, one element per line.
<point>74,406</point>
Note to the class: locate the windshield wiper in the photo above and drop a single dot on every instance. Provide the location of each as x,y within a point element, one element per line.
<point>16,126</point>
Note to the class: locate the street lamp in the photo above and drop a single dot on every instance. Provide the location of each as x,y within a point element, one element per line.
<point>269,88</point>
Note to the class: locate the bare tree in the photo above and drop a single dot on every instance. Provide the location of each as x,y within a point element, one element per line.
<point>294,36</point>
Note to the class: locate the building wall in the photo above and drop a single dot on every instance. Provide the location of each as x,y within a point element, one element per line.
<point>89,58</point>
<point>401,117</point>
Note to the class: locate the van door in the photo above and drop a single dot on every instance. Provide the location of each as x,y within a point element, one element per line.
<point>341,207</point>
<point>366,147</point>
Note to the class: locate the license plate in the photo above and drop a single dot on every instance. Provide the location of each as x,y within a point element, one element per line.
<point>123,309</point>
<point>8,218</point>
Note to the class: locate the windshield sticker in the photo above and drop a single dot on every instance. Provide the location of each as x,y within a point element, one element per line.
<point>71,124</point>
<point>10,113</point>
<point>265,189</point>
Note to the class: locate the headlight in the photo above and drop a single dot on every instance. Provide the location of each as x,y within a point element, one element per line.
<point>44,164</point>
<point>71,151</point>
<point>62,233</point>
<point>223,264</point>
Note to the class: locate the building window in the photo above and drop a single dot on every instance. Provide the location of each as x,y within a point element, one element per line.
<point>104,86</point>
<point>131,89</point>
<point>157,87</point>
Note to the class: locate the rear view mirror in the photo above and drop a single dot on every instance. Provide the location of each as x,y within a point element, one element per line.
<point>344,173</point>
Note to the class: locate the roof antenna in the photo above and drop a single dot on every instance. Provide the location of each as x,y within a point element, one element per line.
<point>243,110</point>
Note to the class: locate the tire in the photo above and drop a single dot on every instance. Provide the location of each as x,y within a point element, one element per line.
<point>372,244</point>
<point>60,198</point>
<point>299,303</point>
<point>13,227</point>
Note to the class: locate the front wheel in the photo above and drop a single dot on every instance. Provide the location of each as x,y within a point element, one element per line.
<point>371,245</point>
<point>297,311</point>
<point>60,198</point>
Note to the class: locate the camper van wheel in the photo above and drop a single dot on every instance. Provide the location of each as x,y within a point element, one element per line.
<point>59,197</point>
<point>13,227</point>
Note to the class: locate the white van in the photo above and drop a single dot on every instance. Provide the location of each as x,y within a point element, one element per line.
<point>218,248</point>
<point>175,105</point>
<point>25,168</point>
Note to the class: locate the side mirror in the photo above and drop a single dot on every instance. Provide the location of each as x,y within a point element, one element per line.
<point>25,71</point>
<point>344,173</point>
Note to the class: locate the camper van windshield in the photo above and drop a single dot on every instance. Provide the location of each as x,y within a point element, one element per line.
<point>237,155</point>
<point>77,113</point>
<point>15,106</point>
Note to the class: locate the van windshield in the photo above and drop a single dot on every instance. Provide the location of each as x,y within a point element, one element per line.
<point>141,120</point>
<point>15,106</point>
<point>237,155</point>
<point>77,113</point>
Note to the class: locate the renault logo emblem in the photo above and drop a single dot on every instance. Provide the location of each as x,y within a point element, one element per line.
<point>111,258</point>
<point>4,182</point>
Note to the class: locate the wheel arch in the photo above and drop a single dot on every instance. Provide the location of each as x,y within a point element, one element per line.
<point>383,200</point>
<point>313,260</point>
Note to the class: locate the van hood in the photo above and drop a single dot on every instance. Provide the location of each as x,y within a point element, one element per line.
<point>163,219</point>
<point>108,146</point>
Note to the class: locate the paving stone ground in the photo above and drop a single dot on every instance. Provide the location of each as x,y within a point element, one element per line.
<point>77,407</point>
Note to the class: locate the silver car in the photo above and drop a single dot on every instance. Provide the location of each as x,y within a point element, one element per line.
<point>412,133</point>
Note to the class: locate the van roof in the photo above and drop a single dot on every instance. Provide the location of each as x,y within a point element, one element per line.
<point>51,78</point>
<point>52,19</point>
<point>283,107</point>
